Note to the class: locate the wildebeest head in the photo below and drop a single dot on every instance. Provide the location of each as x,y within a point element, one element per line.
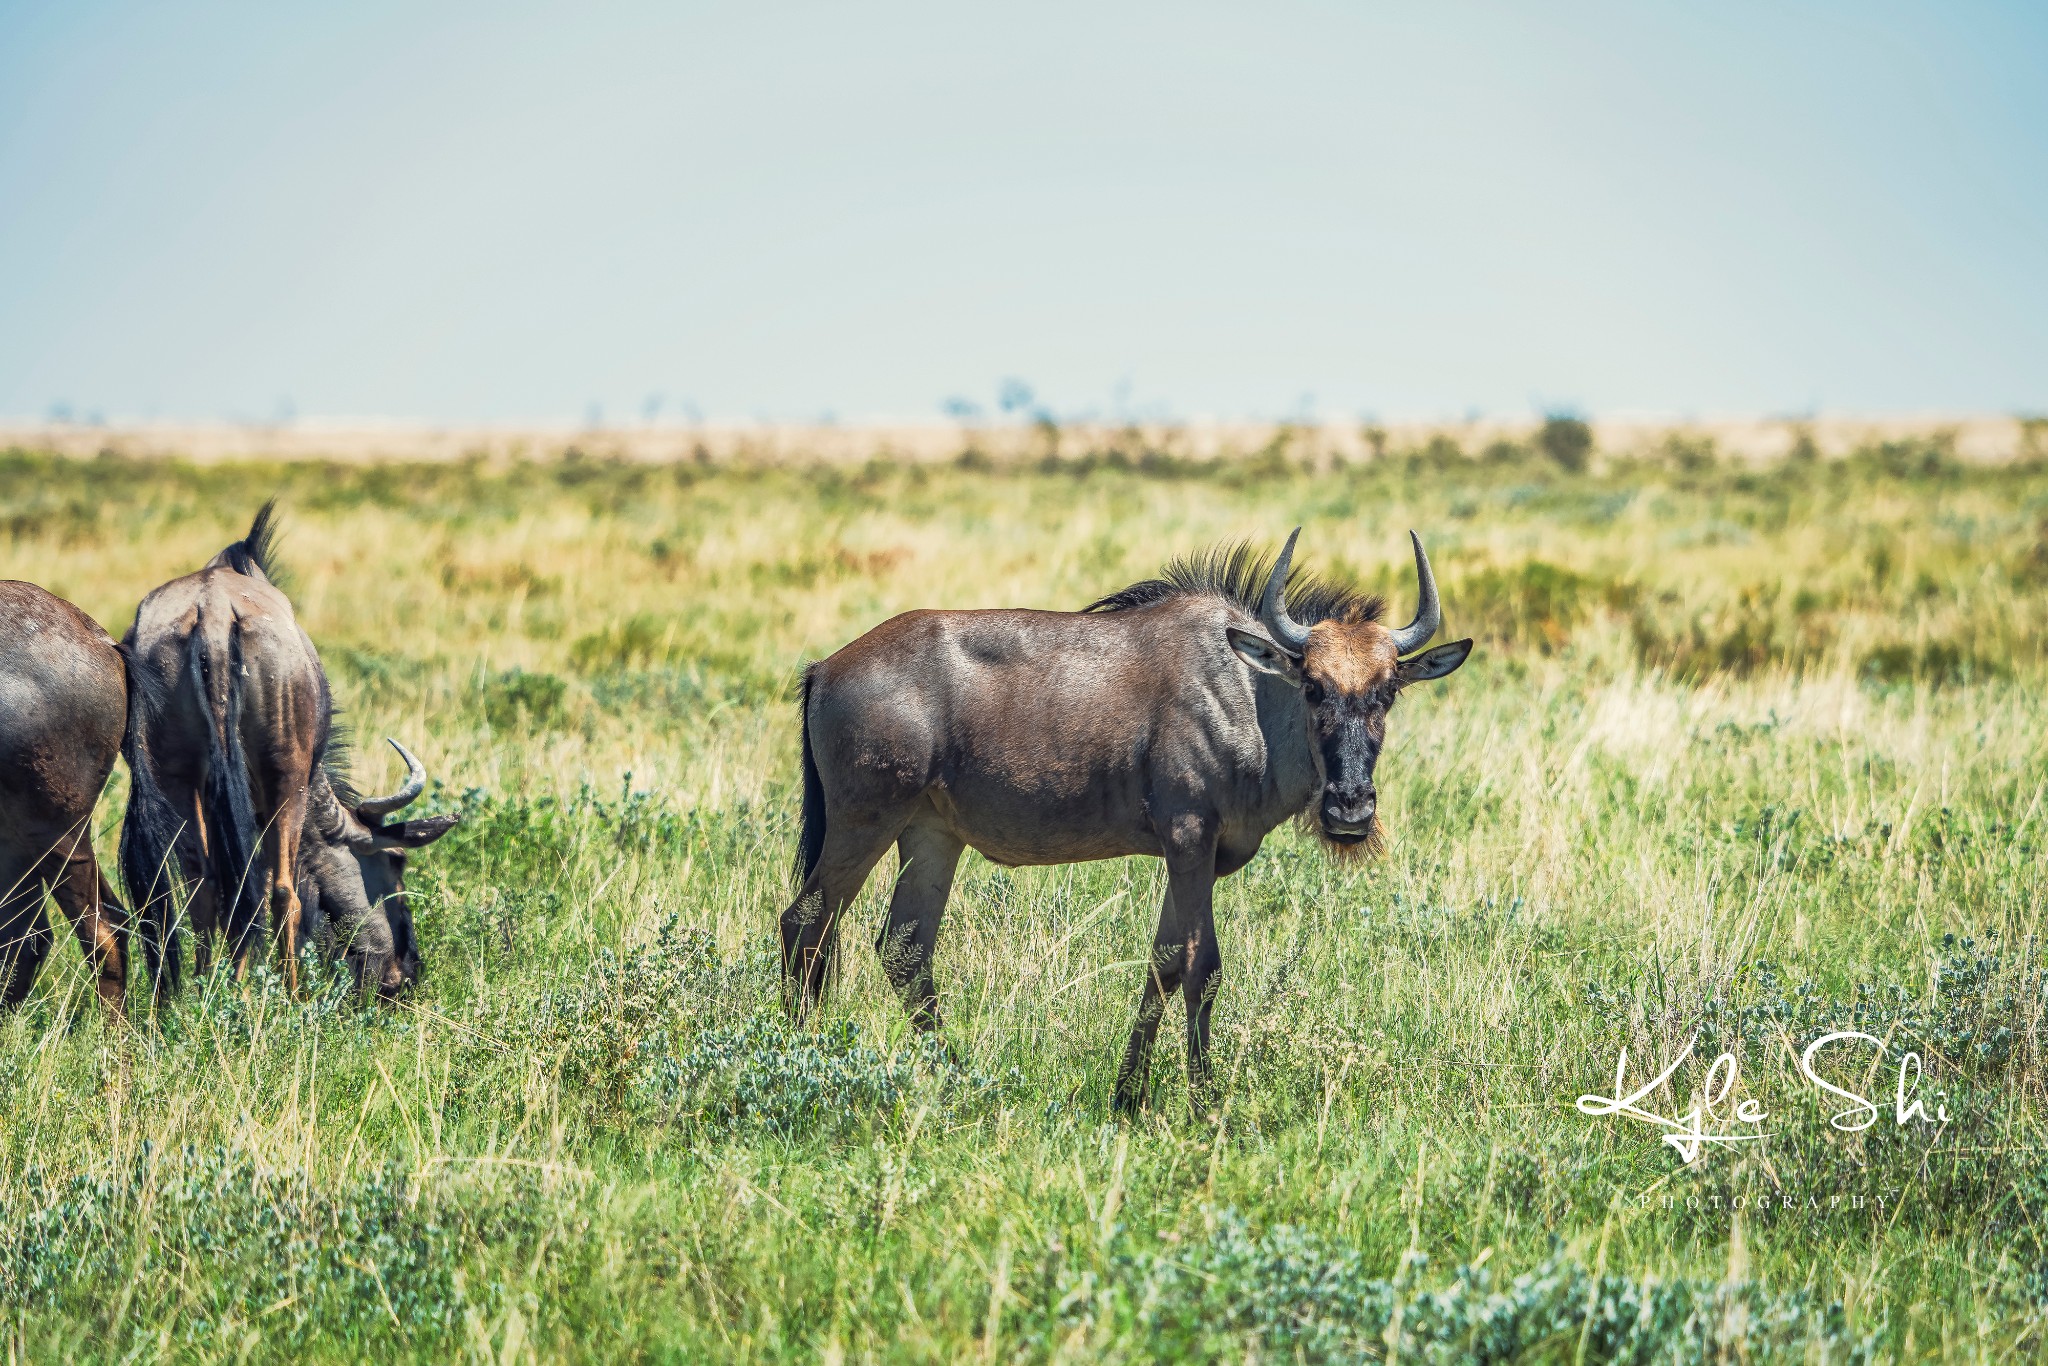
<point>1350,671</point>
<point>356,861</point>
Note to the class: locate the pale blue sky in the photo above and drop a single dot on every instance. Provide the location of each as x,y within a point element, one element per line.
<point>512,212</point>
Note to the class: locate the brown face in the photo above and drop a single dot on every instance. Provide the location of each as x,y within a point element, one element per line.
<point>1349,678</point>
<point>1350,675</point>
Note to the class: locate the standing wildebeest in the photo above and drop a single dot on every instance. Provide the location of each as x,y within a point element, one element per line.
<point>230,728</point>
<point>63,707</point>
<point>1183,717</point>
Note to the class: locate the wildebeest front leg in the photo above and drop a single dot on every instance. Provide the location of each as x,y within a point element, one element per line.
<point>1195,893</point>
<point>1162,979</point>
<point>927,856</point>
<point>1184,956</point>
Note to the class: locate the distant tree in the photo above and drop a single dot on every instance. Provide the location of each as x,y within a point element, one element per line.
<point>1805,451</point>
<point>1015,396</point>
<point>2034,436</point>
<point>1567,440</point>
<point>961,409</point>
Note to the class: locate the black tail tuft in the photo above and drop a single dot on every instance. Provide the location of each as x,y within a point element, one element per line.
<point>149,837</point>
<point>232,836</point>
<point>256,553</point>
<point>811,846</point>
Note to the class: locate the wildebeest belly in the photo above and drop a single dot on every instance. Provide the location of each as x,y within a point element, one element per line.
<point>1033,827</point>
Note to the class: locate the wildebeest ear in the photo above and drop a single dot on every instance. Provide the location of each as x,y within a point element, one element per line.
<point>413,834</point>
<point>1435,663</point>
<point>1263,655</point>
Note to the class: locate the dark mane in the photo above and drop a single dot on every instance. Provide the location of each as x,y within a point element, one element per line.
<point>258,549</point>
<point>1238,573</point>
<point>333,752</point>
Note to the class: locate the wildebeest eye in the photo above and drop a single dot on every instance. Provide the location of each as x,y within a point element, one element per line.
<point>1313,691</point>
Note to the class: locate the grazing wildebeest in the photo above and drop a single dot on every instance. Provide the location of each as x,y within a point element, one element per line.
<point>63,708</point>
<point>230,743</point>
<point>1183,717</point>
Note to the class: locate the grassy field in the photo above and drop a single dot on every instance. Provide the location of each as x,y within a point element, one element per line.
<point>1748,754</point>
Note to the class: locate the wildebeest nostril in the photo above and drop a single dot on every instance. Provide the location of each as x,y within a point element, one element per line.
<point>1348,810</point>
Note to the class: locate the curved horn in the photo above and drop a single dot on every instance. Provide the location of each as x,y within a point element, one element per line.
<point>415,783</point>
<point>1428,613</point>
<point>1291,635</point>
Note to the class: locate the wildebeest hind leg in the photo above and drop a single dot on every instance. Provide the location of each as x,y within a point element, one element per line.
<point>810,926</point>
<point>926,856</point>
<point>24,931</point>
<point>99,921</point>
<point>281,852</point>
<point>203,908</point>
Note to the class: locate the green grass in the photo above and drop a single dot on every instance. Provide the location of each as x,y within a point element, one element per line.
<point>1748,754</point>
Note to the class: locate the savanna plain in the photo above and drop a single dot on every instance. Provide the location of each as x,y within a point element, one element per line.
<point>1747,753</point>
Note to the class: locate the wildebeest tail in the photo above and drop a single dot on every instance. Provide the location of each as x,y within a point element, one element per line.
<point>811,846</point>
<point>149,837</point>
<point>232,836</point>
<point>255,555</point>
